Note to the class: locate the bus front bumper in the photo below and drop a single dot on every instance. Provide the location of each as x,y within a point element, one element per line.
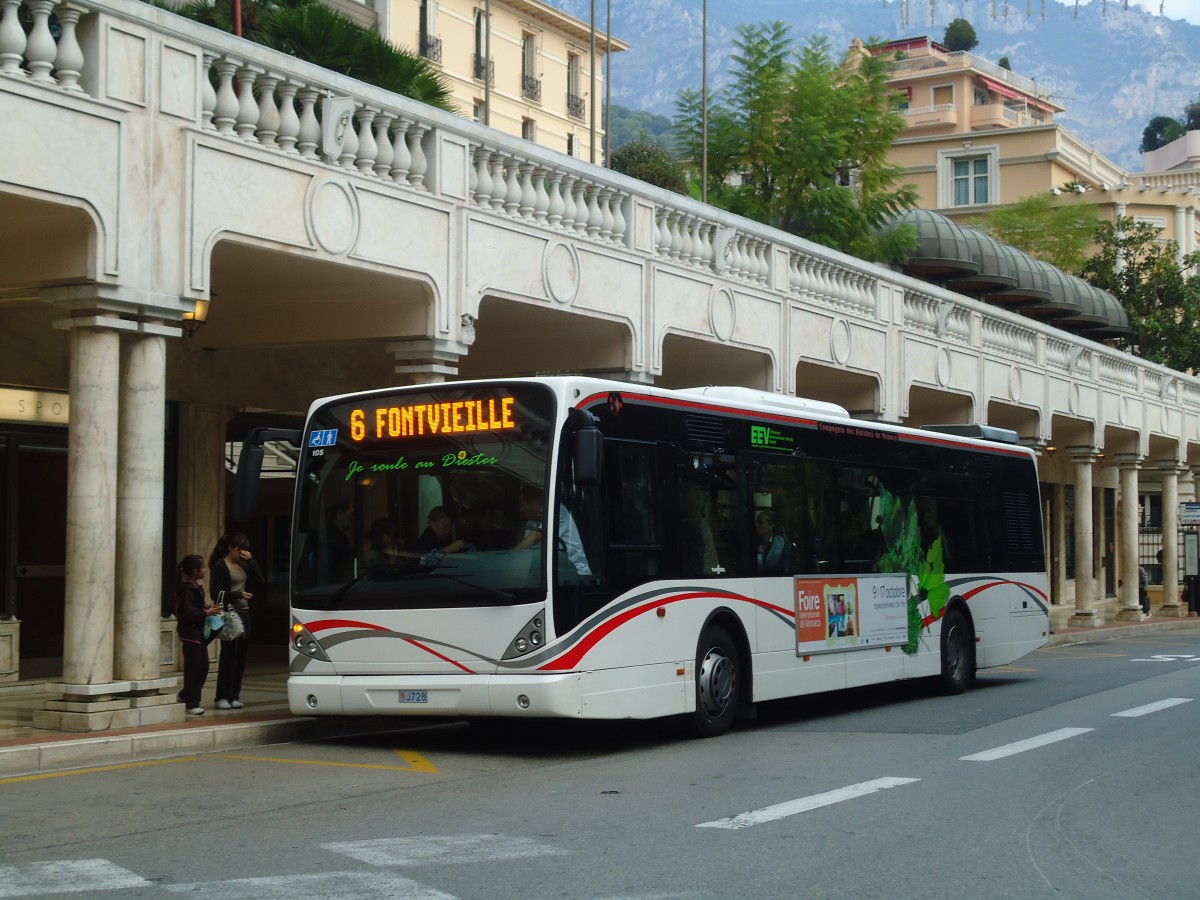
<point>558,695</point>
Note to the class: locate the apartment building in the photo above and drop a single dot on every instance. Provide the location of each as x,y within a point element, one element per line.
<point>979,136</point>
<point>521,66</point>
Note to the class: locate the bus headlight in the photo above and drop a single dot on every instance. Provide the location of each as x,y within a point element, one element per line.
<point>305,644</point>
<point>528,638</point>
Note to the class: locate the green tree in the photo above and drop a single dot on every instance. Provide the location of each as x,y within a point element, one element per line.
<point>1191,116</point>
<point>1145,274</point>
<point>651,163</point>
<point>1003,63</point>
<point>1160,132</point>
<point>1060,234</point>
<point>960,35</point>
<point>801,142</point>
<point>309,30</point>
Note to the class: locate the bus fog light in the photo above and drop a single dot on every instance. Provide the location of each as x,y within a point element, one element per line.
<point>523,701</point>
<point>311,701</point>
<point>312,648</point>
<point>535,639</point>
<point>522,646</point>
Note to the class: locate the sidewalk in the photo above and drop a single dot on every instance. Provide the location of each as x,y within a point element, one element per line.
<point>265,719</point>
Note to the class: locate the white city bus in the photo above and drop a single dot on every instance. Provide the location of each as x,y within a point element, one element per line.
<point>572,547</point>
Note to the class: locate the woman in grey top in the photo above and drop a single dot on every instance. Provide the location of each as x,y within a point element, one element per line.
<point>234,578</point>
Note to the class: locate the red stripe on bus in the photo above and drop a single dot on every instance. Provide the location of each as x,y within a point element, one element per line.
<point>575,655</point>
<point>326,624</point>
<point>949,442</point>
<point>648,400</point>
<point>441,656</point>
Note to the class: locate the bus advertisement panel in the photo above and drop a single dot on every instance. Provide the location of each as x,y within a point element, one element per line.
<point>848,612</point>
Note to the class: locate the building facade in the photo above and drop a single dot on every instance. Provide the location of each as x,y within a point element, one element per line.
<point>519,66</point>
<point>979,136</point>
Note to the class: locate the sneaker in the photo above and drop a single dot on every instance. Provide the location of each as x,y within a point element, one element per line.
<point>236,704</point>
<point>223,704</point>
<point>196,711</point>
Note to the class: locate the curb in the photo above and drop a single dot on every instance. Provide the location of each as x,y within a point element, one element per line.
<point>1108,632</point>
<point>41,756</point>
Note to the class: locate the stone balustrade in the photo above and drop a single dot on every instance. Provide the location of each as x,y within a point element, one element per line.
<point>279,105</point>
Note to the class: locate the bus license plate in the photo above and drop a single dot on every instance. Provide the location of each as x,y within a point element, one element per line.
<point>413,696</point>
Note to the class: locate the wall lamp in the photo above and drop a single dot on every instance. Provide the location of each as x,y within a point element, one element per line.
<point>197,317</point>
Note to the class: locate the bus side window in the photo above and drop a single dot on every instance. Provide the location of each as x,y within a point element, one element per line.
<point>697,549</point>
<point>777,489</point>
<point>632,503</point>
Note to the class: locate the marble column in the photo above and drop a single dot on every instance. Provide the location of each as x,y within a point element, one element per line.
<point>1129,607</point>
<point>91,505</point>
<point>1170,470</point>
<point>140,508</point>
<point>1085,581</point>
<point>1058,556</point>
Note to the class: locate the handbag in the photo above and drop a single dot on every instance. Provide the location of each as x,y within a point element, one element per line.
<point>234,627</point>
<point>212,625</point>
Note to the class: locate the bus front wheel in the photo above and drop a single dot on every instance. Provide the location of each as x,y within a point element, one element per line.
<point>958,653</point>
<point>717,683</point>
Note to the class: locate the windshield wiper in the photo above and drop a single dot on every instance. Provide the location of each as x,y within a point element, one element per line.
<point>395,569</point>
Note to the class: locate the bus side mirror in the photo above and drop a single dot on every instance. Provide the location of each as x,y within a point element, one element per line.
<point>250,467</point>
<point>246,487</point>
<point>589,444</point>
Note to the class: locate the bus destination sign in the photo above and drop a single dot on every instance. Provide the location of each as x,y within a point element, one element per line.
<point>421,419</point>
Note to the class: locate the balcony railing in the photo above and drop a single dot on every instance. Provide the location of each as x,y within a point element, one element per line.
<point>431,48</point>
<point>397,143</point>
<point>575,106</point>
<point>483,68</point>
<point>531,88</point>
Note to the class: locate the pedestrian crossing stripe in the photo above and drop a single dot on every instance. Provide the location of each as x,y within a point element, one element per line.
<point>67,876</point>
<point>424,850</point>
<point>326,885</point>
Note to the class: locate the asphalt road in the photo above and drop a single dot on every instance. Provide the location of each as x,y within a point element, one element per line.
<point>1070,775</point>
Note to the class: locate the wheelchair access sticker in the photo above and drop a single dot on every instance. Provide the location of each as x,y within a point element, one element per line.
<point>325,438</point>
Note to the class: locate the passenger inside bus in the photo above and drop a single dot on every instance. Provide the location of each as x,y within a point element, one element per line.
<point>383,547</point>
<point>772,555</point>
<point>529,498</point>
<point>439,535</point>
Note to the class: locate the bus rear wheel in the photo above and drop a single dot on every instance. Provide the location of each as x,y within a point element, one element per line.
<point>718,675</point>
<point>958,653</point>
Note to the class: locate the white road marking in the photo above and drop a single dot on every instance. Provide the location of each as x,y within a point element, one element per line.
<point>442,849</point>
<point>67,876</point>
<point>1152,707</point>
<point>325,886</point>
<point>1028,744</point>
<point>1168,657</point>
<point>804,804</point>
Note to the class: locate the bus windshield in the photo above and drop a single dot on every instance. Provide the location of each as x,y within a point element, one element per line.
<point>432,497</point>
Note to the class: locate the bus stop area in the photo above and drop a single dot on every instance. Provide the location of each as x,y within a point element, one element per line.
<point>265,718</point>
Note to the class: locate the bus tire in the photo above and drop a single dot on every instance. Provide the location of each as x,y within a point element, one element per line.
<point>718,681</point>
<point>958,653</point>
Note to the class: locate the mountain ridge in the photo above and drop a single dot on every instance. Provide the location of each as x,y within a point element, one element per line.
<point>1112,68</point>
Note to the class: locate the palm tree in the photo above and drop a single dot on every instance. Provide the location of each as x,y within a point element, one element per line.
<point>309,30</point>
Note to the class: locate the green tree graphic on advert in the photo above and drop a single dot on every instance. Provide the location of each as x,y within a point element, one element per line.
<point>902,537</point>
